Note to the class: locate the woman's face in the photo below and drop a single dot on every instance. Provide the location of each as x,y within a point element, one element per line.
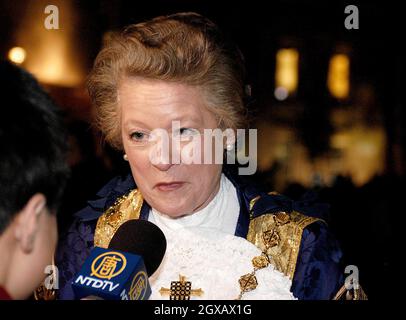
<point>174,188</point>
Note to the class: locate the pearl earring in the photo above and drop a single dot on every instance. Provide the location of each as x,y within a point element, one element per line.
<point>125,157</point>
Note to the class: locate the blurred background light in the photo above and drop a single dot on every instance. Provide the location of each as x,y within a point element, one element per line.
<point>17,55</point>
<point>338,79</point>
<point>281,93</point>
<point>55,57</point>
<point>287,65</point>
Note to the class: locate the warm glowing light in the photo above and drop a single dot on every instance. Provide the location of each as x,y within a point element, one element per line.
<point>17,55</point>
<point>55,57</point>
<point>287,65</point>
<point>363,152</point>
<point>358,153</point>
<point>338,81</point>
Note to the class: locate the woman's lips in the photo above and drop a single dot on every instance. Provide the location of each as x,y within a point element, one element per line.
<point>169,186</point>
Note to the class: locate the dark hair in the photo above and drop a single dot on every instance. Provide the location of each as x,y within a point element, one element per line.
<point>33,144</point>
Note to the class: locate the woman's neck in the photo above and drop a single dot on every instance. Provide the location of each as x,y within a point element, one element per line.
<point>221,212</point>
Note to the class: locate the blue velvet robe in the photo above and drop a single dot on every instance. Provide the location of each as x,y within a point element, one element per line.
<point>318,274</point>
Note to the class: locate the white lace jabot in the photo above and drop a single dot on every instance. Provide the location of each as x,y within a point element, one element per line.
<point>220,214</point>
<point>202,247</point>
<point>214,262</point>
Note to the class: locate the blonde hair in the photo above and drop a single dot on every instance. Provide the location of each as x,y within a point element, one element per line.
<point>184,47</point>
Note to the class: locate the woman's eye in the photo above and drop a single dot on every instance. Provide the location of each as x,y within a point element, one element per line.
<point>187,134</point>
<point>187,131</point>
<point>138,136</point>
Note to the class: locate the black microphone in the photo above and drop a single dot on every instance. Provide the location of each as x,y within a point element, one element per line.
<point>142,238</point>
<point>121,272</point>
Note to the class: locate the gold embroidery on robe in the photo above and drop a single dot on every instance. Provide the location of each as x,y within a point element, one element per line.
<point>126,208</point>
<point>279,235</point>
<point>351,294</point>
<point>48,292</point>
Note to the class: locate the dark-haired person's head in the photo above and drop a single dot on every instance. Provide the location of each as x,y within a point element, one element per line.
<point>33,173</point>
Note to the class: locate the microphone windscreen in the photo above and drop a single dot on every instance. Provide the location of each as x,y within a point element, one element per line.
<point>142,238</point>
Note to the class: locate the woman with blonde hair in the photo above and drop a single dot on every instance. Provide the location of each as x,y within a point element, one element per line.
<point>179,75</point>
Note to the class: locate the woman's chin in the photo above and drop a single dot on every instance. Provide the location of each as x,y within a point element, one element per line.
<point>172,211</point>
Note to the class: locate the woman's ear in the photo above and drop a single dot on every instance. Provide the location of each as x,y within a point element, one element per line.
<point>27,222</point>
<point>230,140</point>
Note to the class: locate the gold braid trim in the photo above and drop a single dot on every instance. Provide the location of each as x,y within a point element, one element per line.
<point>351,294</point>
<point>279,235</point>
<point>42,293</point>
<point>125,208</point>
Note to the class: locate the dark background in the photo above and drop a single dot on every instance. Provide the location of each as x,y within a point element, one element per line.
<point>362,216</point>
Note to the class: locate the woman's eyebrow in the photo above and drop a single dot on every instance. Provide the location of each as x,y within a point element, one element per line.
<point>188,120</point>
<point>137,123</point>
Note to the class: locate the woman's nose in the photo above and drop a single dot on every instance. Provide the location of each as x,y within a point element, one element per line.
<point>162,157</point>
<point>163,166</point>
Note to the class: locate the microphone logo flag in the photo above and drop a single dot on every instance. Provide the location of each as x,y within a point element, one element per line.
<point>106,264</point>
<point>139,286</point>
<point>112,275</point>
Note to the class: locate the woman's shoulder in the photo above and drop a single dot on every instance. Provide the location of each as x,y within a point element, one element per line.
<point>76,242</point>
<point>106,197</point>
<point>278,224</point>
<point>296,236</point>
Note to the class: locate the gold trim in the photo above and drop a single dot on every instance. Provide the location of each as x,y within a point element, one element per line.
<point>279,235</point>
<point>42,292</point>
<point>350,294</point>
<point>126,208</point>
<point>252,202</point>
